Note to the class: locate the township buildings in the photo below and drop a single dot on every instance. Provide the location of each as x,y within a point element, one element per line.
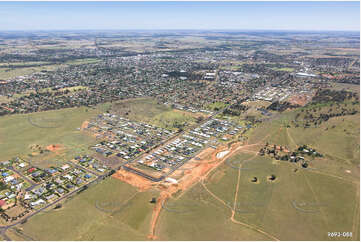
<point>152,151</point>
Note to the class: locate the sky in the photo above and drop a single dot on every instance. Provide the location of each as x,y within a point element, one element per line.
<point>180,15</point>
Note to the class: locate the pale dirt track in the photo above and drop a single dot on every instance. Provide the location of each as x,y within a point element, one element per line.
<point>206,163</point>
<point>253,227</point>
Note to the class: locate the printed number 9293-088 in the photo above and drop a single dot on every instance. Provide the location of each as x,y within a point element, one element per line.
<point>339,234</point>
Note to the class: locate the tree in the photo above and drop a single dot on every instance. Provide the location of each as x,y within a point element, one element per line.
<point>272,177</point>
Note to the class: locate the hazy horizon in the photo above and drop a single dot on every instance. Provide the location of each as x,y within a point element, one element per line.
<point>179,30</point>
<point>151,16</point>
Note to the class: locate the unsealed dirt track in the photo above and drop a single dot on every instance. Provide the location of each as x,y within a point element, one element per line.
<point>207,162</point>
<point>201,167</point>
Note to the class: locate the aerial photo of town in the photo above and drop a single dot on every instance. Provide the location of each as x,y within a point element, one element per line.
<point>161,131</point>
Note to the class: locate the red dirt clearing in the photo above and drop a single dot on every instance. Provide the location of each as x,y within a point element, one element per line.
<point>299,99</point>
<point>137,181</point>
<point>54,148</point>
<point>208,161</point>
<point>84,125</point>
<point>201,167</point>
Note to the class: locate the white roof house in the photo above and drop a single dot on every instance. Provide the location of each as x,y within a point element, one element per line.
<point>38,202</point>
<point>64,167</point>
<point>9,178</point>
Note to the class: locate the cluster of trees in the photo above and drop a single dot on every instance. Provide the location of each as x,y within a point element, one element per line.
<point>333,104</point>
<point>235,109</point>
<point>330,61</point>
<point>281,106</point>
<point>328,95</point>
<point>317,118</point>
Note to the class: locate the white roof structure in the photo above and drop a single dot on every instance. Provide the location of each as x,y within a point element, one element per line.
<point>304,74</point>
<point>171,180</point>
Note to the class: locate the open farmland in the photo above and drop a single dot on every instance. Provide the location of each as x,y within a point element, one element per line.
<point>13,70</point>
<point>198,211</point>
<point>18,133</point>
<point>148,110</point>
<point>112,207</point>
<point>142,109</point>
<point>299,203</point>
<point>8,73</point>
<point>271,207</point>
<point>295,199</point>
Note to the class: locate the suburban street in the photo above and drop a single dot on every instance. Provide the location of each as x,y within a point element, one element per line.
<point>138,172</point>
<point>5,228</point>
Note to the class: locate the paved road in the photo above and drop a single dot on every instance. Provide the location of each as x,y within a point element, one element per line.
<point>138,172</point>
<point>33,184</point>
<point>5,237</point>
<point>4,228</point>
<point>84,168</point>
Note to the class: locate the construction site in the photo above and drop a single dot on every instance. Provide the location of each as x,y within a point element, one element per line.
<point>195,170</point>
